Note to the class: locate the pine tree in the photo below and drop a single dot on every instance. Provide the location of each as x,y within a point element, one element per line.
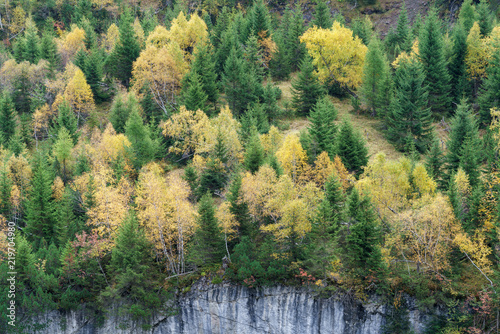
<point>93,70</point>
<point>5,193</point>
<point>463,129</point>
<point>40,224</point>
<point>306,89</point>
<point>359,241</point>
<point>322,131</point>
<point>7,119</point>
<point>434,161</point>
<point>431,52</point>
<point>485,18</point>
<point>322,17</point>
<point>121,111</point>
<point>409,112</point>
<point>270,98</point>
<point>456,67</point>
<point>194,95</point>
<point>125,52</point>
<point>48,51</point>
<point>467,15</point>
<point>376,77</point>
<point>239,84</point>
<point>254,154</point>
<point>469,160</point>
<point>67,223</point>
<point>260,21</point>
<point>280,64</point>
<point>296,50</point>
<point>31,50</point>
<point>208,247</point>
<point>404,41</point>
<point>143,147</point>
<point>351,148</point>
<point>204,66</point>
<point>489,96</point>
<point>239,209</point>
<point>65,119</point>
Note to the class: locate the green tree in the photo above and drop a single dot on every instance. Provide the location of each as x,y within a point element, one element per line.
<point>125,52</point>
<point>410,115</point>
<point>135,282</point>
<point>143,147</point>
<point>351,148</point>
<point>239,208</point>
<point>322,17</point>
<point>431,52</point>
<point>489,96</point>
<point>322,129</point>
<point>40,224</point>
<point>121,111</point>
<point>66,119</point>
<point>464,132</point>
<point>194,94</point>
<point>484,17</point>
<point>204,66</point>
<point>306,89</point>
<point>467,15</point>
<point>7,119</point>
<point>434,161</point>
<point>259,18</point>
<point>376,78</point>
<point>456,66</point>
<point>208,244</point>
<point>48,51</point>
<point>62,150</point>
<point>254,154</point>
<point>360,240</point>
<point>31,50</point>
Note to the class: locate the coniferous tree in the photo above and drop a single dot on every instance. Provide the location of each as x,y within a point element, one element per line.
<point>93,70</point>
<point>431,52</point>
<point>31,50</point>
<point>306,89</point>
<point>296,50</point>
<point>40,223</point>
<point>254,154</point>
<point>204,66</point>
<point>125,52</point>
<point>351,148</point>
<point>121,111</point>
<point>322,17</point>
<point>194,95</point>
<point>7,119</point>
<point>434,161</point>
<point>280,64</point>
<point>208,246</point>
<point>260,21</point>
<point>322,130</point>
<point>143,147</point>
<point>150,108</point>
<point>376,78</point>
<point>489,96</point>
<point>48,51</point>
<point>359,240</point>
<point>485,18</point>
<point>467,15</point>
<point>5,193</point>
<point>410,115</point>
<point>456,67</point>
<point>239,209</point>
<point>239,84</point>
<point>464,132</point>
<point>400,39</point>
<point>66,118</point>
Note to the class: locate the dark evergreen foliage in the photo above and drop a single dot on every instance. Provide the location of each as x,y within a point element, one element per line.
<point>306,89</point>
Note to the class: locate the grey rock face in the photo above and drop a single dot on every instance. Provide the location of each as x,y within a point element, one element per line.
<point>227,309</point>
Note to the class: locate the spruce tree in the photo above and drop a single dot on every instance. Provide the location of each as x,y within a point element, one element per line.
<point>322,130</point>
<point>485,18</point>
<point>403,33</point>
<point>376,78</point>
<point>121,110</point>
<point>360,240</point>
<point>5,193</point>
<point>296,50</point>
<point>322,17</point>
<point>67,223</point>
<point>204,66</point>
<point>208,243</point>
<point>150,108</point>
<point>239,84</point>
<point>431,52</point>
<point>93,70</point>
<point>239,208</point>
<point>40,223</point>
<point>469,160</point>
<point>306,89</point>
<point>434,161</point>
<point>194,95</point>
<point>31,50</point>
<point>48,51</point>
<point>456,67</point>
<point>125,52</point>
<point>7,119</point>
<point>280,64</point>
<point>463,129</point>
<point>65,119</point>
<point>351,148</point>
<point>254,154</point>
<point>143,147</point>
<point>489,96</point>
<point>467,15</point>
<point>409,112</point>
<point>260,21</point>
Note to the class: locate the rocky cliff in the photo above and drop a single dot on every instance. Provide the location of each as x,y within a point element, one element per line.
<point>236,309</point>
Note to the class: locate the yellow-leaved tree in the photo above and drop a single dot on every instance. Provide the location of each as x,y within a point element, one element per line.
<point>112,37</point>
<point>337,54</point>
<point>70,43</point>
<point>167,214</point>
<point>293,158</point>
<point>477,56</point>
<point>79,95</point>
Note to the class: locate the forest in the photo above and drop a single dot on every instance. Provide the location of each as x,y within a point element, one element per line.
<point>146,145</point>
